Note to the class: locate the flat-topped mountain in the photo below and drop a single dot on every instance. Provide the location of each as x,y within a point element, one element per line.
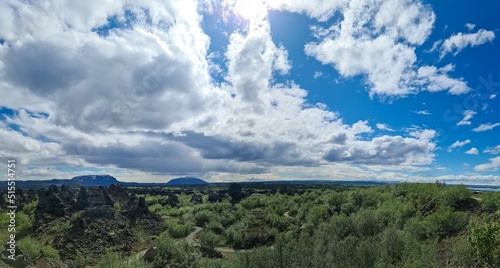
<point>95,180</point>
<point>186,181</point>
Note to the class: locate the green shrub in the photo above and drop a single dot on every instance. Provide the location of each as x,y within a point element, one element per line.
<point>80,261</point>
<point>60,228</point>
<point>111,260</point>
<point>203,217</point>
<point>50,253</point>
<point>463,254</point>
<point>209,240</point>
<point>444,221</point>
<point>177,230</point>
<point>485,241</point>
<point>31,247</point>
<point>490,202</point>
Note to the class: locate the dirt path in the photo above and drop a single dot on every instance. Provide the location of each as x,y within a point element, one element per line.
<point>190,240</point>
<point>190,237</point>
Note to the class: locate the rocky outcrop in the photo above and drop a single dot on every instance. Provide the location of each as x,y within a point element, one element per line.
<point>215,197</point>
<point>99,218</point>
<point>52,204</point>
<point>196,199</point>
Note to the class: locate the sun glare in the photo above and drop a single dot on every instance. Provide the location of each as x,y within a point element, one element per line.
<point>251,10</point>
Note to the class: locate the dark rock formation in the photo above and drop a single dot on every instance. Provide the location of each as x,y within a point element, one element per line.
<point>172,201</point>
<point>215,197</point>
<point>99,219</point>
<point>196,199</point>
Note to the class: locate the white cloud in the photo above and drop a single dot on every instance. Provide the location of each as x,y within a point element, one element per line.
<point>470,26</point>
<point>492,96</point>
<point>472,151</point>
<point>493,150</point>
<point>493,165</point>
<point>486,127</point>
<point>384,127</point>
<point>434,80</point>
<point>141,99</point>
<point>378,40</point>
<point>455,43</point>
<point>468,115</point>
<point>458,144</point>
<point>423,112</point>
<point>317,75</point>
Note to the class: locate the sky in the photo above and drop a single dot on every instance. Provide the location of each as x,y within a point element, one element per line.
<point>232,90</point>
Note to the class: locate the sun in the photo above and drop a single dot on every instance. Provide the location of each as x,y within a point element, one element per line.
<point>251,10</point>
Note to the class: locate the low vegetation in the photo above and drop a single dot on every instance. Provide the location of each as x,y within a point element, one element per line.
<point>406,225</point>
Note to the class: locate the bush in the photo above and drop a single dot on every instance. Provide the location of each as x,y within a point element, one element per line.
<point>463,254</point>
<point>31,247</point>
<point>444,222</point>
<point>490,202</point>
<point>111,260</point>
<point>455,196</point>
<point>209,240</point>
<point>60,228</point>
<point>203,217</point>
<point>177,230</point>
<point>485,241</point>
<point>50,253</point>
<point>80,261</point>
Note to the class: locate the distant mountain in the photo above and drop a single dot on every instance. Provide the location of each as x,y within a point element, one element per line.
<point>186,181</point>
<point>95,180</point>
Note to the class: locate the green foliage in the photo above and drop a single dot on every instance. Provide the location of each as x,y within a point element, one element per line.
<point>31,247</point>
<point>444,222</point>
<point>50,253</point>
<point>80,261</point>
<point>254,201</point>
<point>181,254</point>
<point>203,217</point>
<point>485,241</point>
<point>454,196</point>
<point>209,241</point>
<point>317,214</point>
<point>155,208</point>
<point>490,202</point>
<point>111,260</point>
<point>56,229</point>
<point>463,253</point>
<point>177,230</point>
<point>117,207</point>
<point>406,225</point>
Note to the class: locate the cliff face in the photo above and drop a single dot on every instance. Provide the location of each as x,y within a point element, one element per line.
<point>93,220</point>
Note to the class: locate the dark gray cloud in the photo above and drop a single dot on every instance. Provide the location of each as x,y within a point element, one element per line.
<point>385,150</point>
<point>43,67</point>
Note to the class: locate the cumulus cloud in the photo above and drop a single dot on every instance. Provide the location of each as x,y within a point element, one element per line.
<point>458,144</point>
<point>468,115</point>
<point>492,96</point>
<point>141,98</point>
<point>493,165</point>
<point>378,40</point>
<point>493,150</point>
<point>455,43</point>
<point>486,127</point>
<point>387,150</point>
<point>472,151</point>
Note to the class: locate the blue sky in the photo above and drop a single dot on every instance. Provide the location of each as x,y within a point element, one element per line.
<point>231,90</point>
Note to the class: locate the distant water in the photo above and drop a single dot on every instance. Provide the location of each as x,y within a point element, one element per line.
<point>485,189</point>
